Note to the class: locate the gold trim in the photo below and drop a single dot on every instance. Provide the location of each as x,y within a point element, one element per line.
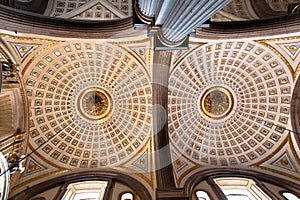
<point>263,42</point>
<point>296,9</point>
<point>167,42</point>
<point>196,165</point>
<point>289,140</point>
<point>183,57</point>
<point>143,18</point>
<point>148,144</point>
<point>206,107</point>
<point>95,104</point>
<point>188,171</point>
<point>38,54</point>
<point>271,154</point>
<point>37,178</point>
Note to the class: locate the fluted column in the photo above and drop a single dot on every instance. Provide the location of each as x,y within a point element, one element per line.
<point>173,20</point>
<point>149,7</point>
<point>164,11</point>
<point>188,15</point>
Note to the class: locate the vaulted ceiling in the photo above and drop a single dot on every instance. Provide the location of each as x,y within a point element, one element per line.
<point>229,97</point>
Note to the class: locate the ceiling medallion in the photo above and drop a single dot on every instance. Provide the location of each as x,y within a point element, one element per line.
<point>216,102</point>
<point>95,104</point>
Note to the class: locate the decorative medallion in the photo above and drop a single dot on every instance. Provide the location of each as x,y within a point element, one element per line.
<point>23,50</point>
<point>95,104</point>
<point>216,102</point>
<point>32,167</point>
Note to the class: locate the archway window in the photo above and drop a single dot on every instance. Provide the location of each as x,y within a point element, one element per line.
<point>87,190</point>
<point>290,196</point>
<point>4,178</point>
<point>241,188</point>
<point>201,195</point>
<point>127,196</point>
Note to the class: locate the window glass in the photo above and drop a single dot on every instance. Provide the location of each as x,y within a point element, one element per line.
<point>236,188</point>
<point>4,178</point>
<point>202,195</point>
<point>127,196</point>
<point>86,190</point>
<point>238,194</point>
<point>290,196</point>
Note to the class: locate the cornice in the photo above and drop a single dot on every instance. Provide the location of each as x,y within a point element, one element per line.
<point>283,24</point>
<point>25,22</point>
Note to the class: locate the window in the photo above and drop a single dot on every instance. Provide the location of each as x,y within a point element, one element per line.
<point>290,196</point>
<point>87,190</point>
<point>4,179</point>
<point>236,188</point>
<point>127,196</point>
<point>202,195</point>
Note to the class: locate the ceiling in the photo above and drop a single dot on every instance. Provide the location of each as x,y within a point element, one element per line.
<point>255,77</point>
<point>115,9</point>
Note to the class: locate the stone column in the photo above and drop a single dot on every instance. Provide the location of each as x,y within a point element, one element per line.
<point>174,20</point>
<point>166,188</point>
<point>149,7</point>
<point>188,15</point>
<point>164,174</point>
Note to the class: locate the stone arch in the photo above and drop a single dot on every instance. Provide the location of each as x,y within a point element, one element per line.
<point>134,184</point>
<point>196,178</point>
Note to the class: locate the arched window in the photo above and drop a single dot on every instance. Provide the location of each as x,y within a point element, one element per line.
<point>241,188</point>
<point>202,195</point>
<point>4,178</point>
<point>290,196</point>
<point>127,196</point>
<point>87,190</point>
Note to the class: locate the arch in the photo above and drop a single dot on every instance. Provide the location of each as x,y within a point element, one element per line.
<point>243,188</point>
<point>126,196</point>
<point>86,190</point>
<point>289,195</point>
<point>295,110</point>
<point>4,177</point>
<point>64,180</point>
<point>240,29</point>
<point>209,174</point>
<point>201,194</point>
<point>263,10</point>
<point>39,198</point>
<point>32,23</point>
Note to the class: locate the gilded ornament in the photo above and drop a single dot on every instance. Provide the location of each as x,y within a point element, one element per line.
<point>216,102</point>
<point>95,104</point>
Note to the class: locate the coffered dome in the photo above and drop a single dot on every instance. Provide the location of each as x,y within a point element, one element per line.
<point>224,107</point>
<point>97,96</point>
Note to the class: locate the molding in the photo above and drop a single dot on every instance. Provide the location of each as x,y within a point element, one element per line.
<point>24,22</point>
<point>295,108</point>
<point>263,10</point>
<point>194,179</point>
<point>283,24</point>
<point>106,196</point>
<point>161,43</point>
<point>90,4</point>
<point>135,185</point>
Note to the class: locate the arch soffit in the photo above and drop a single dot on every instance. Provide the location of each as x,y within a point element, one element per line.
<point>131,182</point>
<point>196,178</point>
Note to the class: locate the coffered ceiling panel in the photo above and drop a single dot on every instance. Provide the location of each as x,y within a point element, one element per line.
<point>229,103</point>
<point>89,9</point>
<point>96,97</point>
<point>281,5</point>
